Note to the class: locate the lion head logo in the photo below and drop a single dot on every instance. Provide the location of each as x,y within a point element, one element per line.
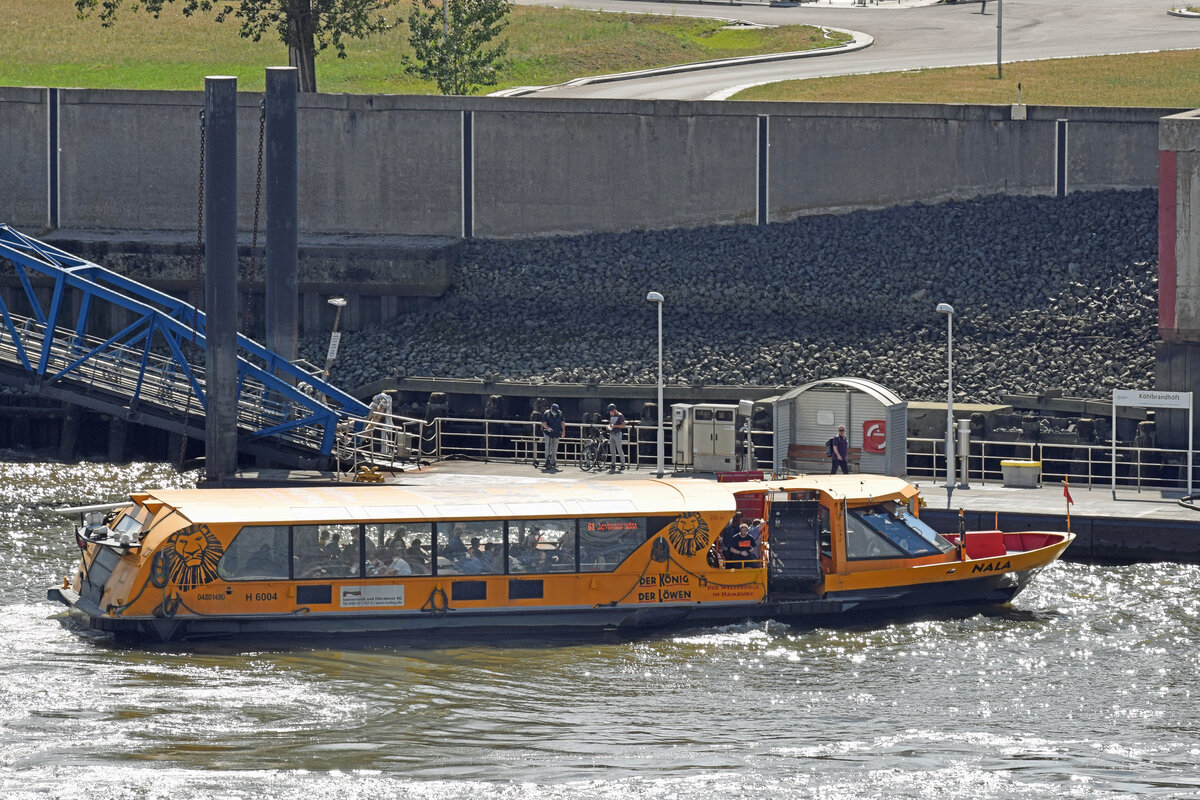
<point>192,556</point>
<point>689,534</point>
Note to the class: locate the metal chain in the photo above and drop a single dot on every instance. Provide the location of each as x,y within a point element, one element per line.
<point>246,315</point>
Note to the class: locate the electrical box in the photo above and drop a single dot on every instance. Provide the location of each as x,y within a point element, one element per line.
<point>681,435</point>
<point>705,436</point>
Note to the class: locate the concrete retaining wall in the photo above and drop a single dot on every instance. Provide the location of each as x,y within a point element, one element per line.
<point>496,167</point>
<point>24,162</point>
<point>552,167</point>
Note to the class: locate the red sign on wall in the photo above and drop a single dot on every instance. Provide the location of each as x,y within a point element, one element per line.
<point>874,436</point>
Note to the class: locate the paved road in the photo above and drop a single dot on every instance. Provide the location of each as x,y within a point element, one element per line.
<point>910,38</point>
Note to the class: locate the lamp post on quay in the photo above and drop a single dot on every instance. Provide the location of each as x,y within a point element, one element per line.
<point>335,337</point>
<point>657,298</point>
<point>948,310</point>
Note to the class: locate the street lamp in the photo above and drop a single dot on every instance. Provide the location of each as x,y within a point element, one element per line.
<point>999,38</point>
<point>948,310</point>
<point>656,297</point>
<point>336,337</point>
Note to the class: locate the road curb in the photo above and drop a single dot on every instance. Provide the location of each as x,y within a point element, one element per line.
<point>861,41</point>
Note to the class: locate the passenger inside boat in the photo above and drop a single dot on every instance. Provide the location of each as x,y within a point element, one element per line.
<point>332,550</point>
<point>564,554</point>
<point>730,529</point>
<point>740,548</point>
<point>481,557</point>
<point>455,548</point>
<point>399,564</point>
<point>416,557</point>
<point>757,529</point>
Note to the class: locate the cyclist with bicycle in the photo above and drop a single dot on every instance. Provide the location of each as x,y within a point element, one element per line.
<point>616,437</point>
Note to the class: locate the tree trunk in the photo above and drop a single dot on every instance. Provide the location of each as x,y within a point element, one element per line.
<point>302,52</point>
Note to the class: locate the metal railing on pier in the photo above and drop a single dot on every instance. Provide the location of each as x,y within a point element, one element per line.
<point>1085,465</point>
<point>522,441</point>
<point>406,441</point>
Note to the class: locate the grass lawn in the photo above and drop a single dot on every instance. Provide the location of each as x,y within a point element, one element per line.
<point>43,43</point>
<point>1155,80</point>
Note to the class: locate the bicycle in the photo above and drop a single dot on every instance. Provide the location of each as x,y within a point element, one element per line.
<point>594,453</point>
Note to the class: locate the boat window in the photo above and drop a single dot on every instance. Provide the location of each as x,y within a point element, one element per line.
<point>541,545</point>
<point>924,531</point>
<point>605,542</point>
<point>257,553</point>
<point>394,549</point>
<point>471,548</point>
<point>131,522</point>
<point>892,525</point>
<point>325,551</point>
<point>863,542</point>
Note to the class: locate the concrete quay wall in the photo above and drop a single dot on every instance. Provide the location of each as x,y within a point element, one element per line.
<point>502,167</point>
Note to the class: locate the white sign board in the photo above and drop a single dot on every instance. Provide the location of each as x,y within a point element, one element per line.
<point>371,596</point>
<point>1139,398</point>
<point>334,339</point>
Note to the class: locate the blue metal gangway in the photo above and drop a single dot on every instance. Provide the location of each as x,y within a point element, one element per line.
<point>150,370</point>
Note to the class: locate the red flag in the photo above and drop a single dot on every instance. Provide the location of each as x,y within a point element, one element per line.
<point>1067,493</point>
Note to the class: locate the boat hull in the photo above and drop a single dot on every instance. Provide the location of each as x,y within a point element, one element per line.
<point>993,589</point>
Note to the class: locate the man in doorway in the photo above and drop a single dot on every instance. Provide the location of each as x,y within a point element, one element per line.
<point>840,452</point>
<point>616,437</point>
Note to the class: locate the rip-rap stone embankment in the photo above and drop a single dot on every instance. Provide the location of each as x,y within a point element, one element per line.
<point>1049,293</point>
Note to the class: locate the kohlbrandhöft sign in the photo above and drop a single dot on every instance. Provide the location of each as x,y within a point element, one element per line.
<point>1139,398</point>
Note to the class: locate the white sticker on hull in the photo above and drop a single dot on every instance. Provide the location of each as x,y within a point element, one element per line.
<point>371,596</point>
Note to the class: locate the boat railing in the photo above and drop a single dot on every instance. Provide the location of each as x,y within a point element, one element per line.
<point>1090,465</point>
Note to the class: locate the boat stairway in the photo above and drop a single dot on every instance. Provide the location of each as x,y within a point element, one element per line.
<point>795,536</point>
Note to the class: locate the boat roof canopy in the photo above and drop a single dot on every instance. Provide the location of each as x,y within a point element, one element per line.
<point>503,500</point>
<point>363,503</point>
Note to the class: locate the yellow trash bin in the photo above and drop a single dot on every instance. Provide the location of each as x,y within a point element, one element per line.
<point>1022,474</point>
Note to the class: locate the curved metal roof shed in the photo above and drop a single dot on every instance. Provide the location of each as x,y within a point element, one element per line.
<point>876,421</point>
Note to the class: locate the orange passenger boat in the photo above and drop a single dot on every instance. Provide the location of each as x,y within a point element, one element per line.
<point>570,555</point>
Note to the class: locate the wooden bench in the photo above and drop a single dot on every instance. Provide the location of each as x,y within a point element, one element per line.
<point>812,458</point>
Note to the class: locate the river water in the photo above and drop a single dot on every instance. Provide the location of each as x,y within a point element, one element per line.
<point>1085,687</point>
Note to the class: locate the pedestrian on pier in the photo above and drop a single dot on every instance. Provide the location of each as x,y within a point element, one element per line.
<point>616,437</point>
<point>553,427</point>
<point>839,452</point>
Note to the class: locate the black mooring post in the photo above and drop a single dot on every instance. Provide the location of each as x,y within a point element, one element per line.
<point>220,284</point>
<point>283,283</point>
